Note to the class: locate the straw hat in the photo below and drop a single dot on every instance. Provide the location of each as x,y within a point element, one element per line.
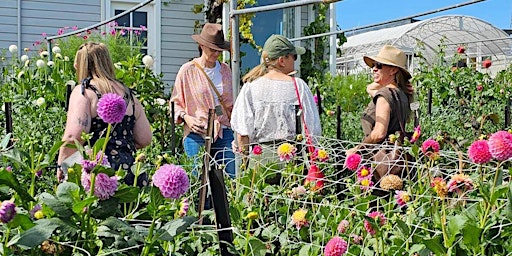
<point>212,37</point>
<point>390,56</point>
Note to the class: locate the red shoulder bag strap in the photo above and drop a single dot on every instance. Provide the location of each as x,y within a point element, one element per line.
<point>309,141</point>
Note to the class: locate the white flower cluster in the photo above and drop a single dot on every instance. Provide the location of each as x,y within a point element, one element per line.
<point>148,61</point>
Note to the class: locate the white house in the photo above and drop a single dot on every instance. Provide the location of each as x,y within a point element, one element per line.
<point>169,23</point>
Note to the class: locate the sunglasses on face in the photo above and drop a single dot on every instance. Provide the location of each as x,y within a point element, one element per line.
<point>294,56</point>
<point>377,65</point>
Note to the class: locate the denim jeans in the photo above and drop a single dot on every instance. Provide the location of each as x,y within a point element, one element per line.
<point>220,150</point>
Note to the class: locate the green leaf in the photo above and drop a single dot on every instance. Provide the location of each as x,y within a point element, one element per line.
<point>305,250</point>
<point>435,245</point>
<point>60,208</point>
<point>68,192</point>
<point>5,141</point>
<point>127,194</point>
<point>499,193</point>
<point>7,178</point>
<point>257,247</point>
<point>79,206</point>
<point>21,220</point>
<point>471,237</point>
<point>403,227</point>
<point>455,225</point>
<point>175,227</point>
<point>509,203</point>
<point>36,235</point>
<point>105,208</point>
<point>156,199</point>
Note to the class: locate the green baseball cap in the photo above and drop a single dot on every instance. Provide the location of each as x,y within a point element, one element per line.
<point>278,45</point>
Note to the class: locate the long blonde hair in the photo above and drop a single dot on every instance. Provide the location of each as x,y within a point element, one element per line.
<point>93,60</point>
<point>261,69</point>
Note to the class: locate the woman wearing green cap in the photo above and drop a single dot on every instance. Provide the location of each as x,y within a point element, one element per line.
<point>264,111</point>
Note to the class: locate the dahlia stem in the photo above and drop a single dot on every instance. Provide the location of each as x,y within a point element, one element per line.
<point>247,237</point>
<point>443,223</point>
<point>109,127</point>
<point>149,242</point>
<point>488,204</point>
<point>252,182</point>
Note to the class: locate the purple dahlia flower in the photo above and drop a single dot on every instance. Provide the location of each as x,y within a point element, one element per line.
<point>111,108</point>
<point>172,180</point>
<point>7,211</point>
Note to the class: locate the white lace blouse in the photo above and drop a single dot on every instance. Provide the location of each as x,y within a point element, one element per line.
<point>265,110</point>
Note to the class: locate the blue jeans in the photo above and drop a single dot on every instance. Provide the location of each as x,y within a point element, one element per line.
<point>220,150</point>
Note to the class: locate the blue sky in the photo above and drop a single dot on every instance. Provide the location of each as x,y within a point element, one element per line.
<point>354,13</point>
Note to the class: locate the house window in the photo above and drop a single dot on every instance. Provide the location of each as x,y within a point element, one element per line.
<point>280,21</point>
<point>134,26</point>
<point>139,26</point>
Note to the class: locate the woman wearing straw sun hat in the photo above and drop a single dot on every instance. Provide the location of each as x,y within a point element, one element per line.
<point>392,95</point>
<point>201,84</point>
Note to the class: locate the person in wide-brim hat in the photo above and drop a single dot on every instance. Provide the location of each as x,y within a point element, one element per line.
<point>391,56</point>
<point>212,37</point>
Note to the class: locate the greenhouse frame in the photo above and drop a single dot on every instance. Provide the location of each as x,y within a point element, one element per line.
<point>480,39</point>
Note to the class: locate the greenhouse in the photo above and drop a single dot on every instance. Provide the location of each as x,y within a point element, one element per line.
<point>480,39</point>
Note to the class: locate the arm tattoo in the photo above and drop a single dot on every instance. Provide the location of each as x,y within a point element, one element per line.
<point>84,121</point>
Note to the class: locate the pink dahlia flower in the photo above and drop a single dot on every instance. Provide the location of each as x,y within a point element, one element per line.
<point>356,239</point>
<point>286,151</point>
<point>479,152</point>
<point>299,218</point>
<point>459,183</point>
<point>402,197</point>
<point>7,211</point>
<point>366,183</point>
<point>257,150</point>
<point>364,173</point>
<point>321,155</point>
<point>378,217</point>
<point>353,161</point>
<point>172,180</point>
<point>335,247</point>
<point>416,135</point>
<point>104,186</point>
<point>342,227</point>
<point>111,108</point>
<point>430,148</point>
<point>500,145</point>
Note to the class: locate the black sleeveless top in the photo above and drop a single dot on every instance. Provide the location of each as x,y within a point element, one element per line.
<point>400,110</point>
<point>121,145</point>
